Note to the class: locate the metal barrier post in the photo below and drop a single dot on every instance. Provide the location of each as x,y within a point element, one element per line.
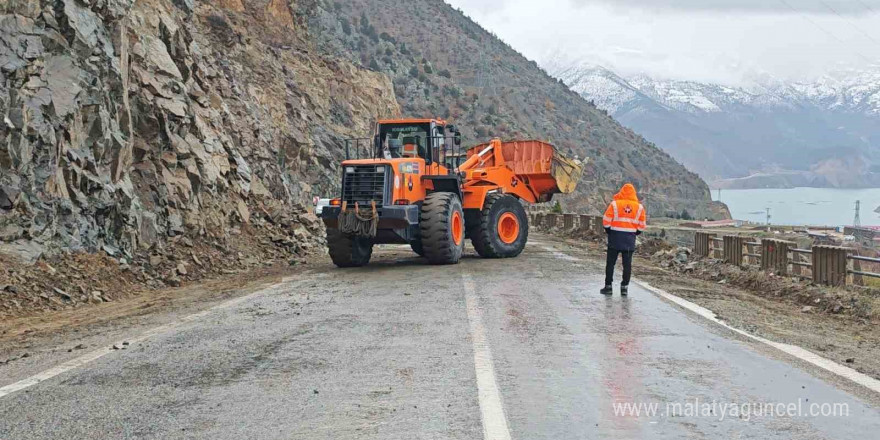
<point>703,243</point>
<point>829,265</point>
<point>598,225</point>
<point>774,255</point>
<point>584,223</point>
<point>733,249</point>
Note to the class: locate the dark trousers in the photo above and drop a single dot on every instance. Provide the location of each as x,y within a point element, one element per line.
<point>611,261</point>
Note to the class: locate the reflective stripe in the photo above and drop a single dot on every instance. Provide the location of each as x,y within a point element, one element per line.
<point>622,229</point>
<point>642,224</point>
<point>628,220</point>
<point>614,206</point>
<point>607,218</point>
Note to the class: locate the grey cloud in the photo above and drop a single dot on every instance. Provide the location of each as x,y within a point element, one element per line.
<point>849,7</point>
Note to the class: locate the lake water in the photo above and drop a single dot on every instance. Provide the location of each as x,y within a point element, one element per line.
<point>802,206</point>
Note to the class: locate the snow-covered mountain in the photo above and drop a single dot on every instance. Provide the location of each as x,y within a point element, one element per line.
<point>768,133</point>
<point>849,91</point>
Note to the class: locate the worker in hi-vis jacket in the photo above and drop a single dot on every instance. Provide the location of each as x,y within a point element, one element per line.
<point>624,219</point>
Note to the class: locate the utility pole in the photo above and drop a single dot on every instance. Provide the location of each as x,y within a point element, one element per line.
<point>857,222</point>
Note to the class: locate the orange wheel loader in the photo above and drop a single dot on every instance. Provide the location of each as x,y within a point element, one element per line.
<point>412,183</point>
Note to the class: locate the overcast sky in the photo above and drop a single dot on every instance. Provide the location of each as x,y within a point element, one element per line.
<point>727,41</point>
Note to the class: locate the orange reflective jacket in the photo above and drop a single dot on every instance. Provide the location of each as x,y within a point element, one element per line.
<point>625,213</point>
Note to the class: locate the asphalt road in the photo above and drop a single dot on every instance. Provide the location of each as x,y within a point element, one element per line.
<point>522,349</point>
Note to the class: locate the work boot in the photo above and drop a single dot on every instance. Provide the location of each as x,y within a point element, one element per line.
<point>607,290</point>
<point>624,290</point>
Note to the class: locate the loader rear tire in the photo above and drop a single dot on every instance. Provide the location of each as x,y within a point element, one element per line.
<point>503,228</point>
<point>348,251</point>
<point>442,228</point>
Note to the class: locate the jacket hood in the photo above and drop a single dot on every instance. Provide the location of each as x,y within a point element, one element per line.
<point>628,192</point>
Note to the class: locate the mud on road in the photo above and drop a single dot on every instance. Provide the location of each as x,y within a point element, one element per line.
<point>848,339</point>
<point>402,350</point>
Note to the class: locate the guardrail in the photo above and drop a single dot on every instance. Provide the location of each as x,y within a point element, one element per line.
<point>857,271</point>
<point>755,257</point>
<point>568,222</point>
<point>827,265</point>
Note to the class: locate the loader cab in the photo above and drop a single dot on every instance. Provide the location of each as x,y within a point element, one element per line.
<point>397,140</point>
<point>453,161</point>
<point>428,139</point>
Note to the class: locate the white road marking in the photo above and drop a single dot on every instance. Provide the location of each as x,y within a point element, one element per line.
<point>792,350</point>
<point>491,408</point>
<point>560,255</point>
<point>101,352</point>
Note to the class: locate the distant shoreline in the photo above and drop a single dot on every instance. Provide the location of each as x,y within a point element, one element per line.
<point>802,205</point>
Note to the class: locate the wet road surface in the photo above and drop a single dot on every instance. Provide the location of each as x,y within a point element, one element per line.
<point>522,349</point>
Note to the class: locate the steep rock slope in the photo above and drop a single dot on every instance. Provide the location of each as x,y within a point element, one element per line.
<point>125,123</point>
<point>444,65</point>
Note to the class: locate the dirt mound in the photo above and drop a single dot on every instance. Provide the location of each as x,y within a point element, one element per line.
<point>66,281</point>
<point>654,245</point>
<point>860,302</point>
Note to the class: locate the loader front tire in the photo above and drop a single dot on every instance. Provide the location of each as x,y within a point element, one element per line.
<point>417,246</point>
<point>442,228</point>
<point>348,251</point>
<point>503,228</point>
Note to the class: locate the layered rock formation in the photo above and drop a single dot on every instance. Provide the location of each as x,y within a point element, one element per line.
<point>125,123</point>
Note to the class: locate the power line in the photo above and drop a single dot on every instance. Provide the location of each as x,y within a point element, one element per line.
<point>820,27</point>
<point>866,6</point>
<point>853,25</point>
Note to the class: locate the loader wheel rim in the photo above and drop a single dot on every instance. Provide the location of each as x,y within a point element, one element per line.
<point>457,228</point>
<point>508,227</point>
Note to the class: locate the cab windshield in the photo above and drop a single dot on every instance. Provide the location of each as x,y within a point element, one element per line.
<point>405,140</point>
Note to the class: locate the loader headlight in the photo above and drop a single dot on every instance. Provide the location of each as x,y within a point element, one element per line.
<point>380,170</point>
<point>349,170</point>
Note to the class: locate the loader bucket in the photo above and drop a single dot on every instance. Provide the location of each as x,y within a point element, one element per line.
<point>540,164</point>
<point>567,173</point>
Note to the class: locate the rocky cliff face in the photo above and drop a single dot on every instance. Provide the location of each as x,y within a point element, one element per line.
<point>128,122</point>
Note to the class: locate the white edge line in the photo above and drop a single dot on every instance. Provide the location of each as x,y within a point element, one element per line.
<point>101,352</point>
<point>491,408</point>
<point>792,350</point>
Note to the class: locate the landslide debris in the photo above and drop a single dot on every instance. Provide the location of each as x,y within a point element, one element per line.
<point>856,301</point>
<point>129,129</point>
<point>67,281</point>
